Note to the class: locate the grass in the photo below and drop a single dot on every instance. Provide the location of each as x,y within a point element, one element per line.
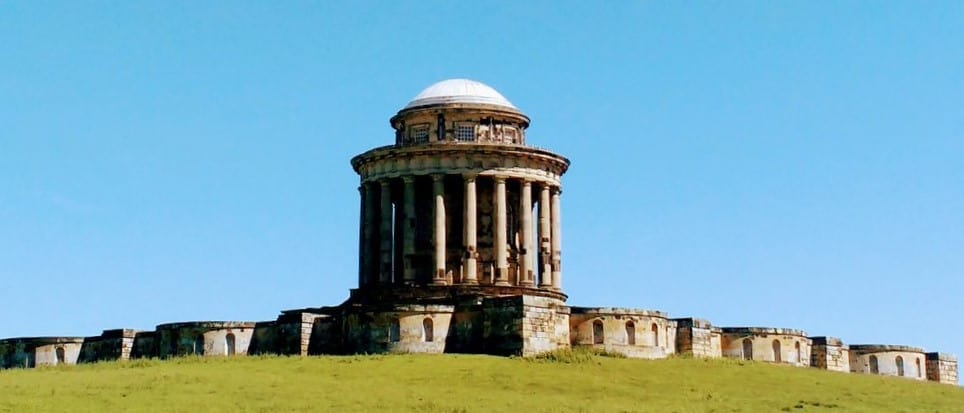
<point>560,382</point>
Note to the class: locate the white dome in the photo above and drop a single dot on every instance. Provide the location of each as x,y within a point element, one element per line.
<point>459,91</point>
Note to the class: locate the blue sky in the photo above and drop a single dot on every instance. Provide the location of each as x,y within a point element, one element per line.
<point>785,164</point>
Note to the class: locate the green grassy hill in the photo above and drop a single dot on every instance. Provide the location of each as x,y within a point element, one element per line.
<point>449,383</point>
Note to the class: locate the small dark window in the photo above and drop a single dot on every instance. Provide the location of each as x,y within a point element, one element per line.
<point>630,333</point>
<point>917,362</point>
<point>420,134</point>
<point>428,330</point>
<point>598,332</point>
<point>465,133</point>
<point>797,352</point>
<point>61,355</point>
<point>655,329</point>
<point>873,365</point>
<point>747,349</point>
<point>777,356</point>
<point>900,365</point>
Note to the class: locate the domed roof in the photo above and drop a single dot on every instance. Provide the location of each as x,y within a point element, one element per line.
<point>459,91</point>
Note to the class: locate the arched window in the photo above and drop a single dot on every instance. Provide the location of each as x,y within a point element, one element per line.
<point>199,345</point>
<point>873,365</point>
<point>597,332</point>
<point>655,329</point>
<point>900,366</point>
<point>747,349</point>
<point>630,333</point>
<point>797,353</point>
<point>776,352</point>
<point>428,330</point>
<point>917,362</point>
<point>61,355</point>
<point>229,344</point>
<point>395,331</point>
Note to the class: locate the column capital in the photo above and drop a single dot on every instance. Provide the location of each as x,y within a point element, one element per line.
<point>384,182</point>
<point>408,179</point>
<point>438,177</point>
<point>470,176</point>
<point>498,178</point>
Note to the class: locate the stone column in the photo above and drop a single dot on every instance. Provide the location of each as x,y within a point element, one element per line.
<point>438,186</point>
<point>361,236</point>
<point>556,240</point>
<point>370,250</point>
<point>408,230</point>
<point>499,234</point>
<point>525,274</point>
<point>545,237</point>
<point>469,263</point>
<point>385,273</point>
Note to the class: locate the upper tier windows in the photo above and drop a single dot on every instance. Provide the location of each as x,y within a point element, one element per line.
<point>486,131</point>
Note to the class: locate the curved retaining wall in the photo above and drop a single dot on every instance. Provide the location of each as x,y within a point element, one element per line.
<point>888,360</point>
<point>772,345</point>
<point>212,338</point>
<point>632,332</point>
<point>30,352</point>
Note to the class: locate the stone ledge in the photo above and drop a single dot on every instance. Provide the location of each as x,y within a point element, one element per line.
<point>881,348</point>
<point>763,330</point>
<point>940,356</point>
<point>826,341</point>
<point>207,324</point>
<point>617,311</point>
<point>42,341</point>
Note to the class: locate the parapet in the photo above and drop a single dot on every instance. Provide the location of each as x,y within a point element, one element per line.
<point>118,333</point>
<point>827,341</point>
<point>759,331</point>
<point>940,357</point>
<point>617,311</point>
<point>206,325</point>
<point>881,348</point>
<point>42,341</point>
<point>693,323</point>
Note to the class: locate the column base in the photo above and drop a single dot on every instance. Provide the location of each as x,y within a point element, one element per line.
<point>501,277</point>
<point>439,277</point>
<point>528,280</point>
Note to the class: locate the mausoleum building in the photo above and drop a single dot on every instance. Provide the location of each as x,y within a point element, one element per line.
<point>460,251</point>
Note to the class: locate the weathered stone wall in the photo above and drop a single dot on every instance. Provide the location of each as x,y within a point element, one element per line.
<point>942,368</point>
<point>631,332</point>
<point>794,346</point>
<point>145,345</point>
<point>697,337</point>
<point>545,326</point>
<point>325,336</point>
<point>829,353</point>
<point>110,345</point>
<point>502,325</point>
<point>296,329</point>
<point>862,358</point>
<point>419,328</point>
<point>46,355</point>
<point>30,352</point>
<point>204,338</point>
